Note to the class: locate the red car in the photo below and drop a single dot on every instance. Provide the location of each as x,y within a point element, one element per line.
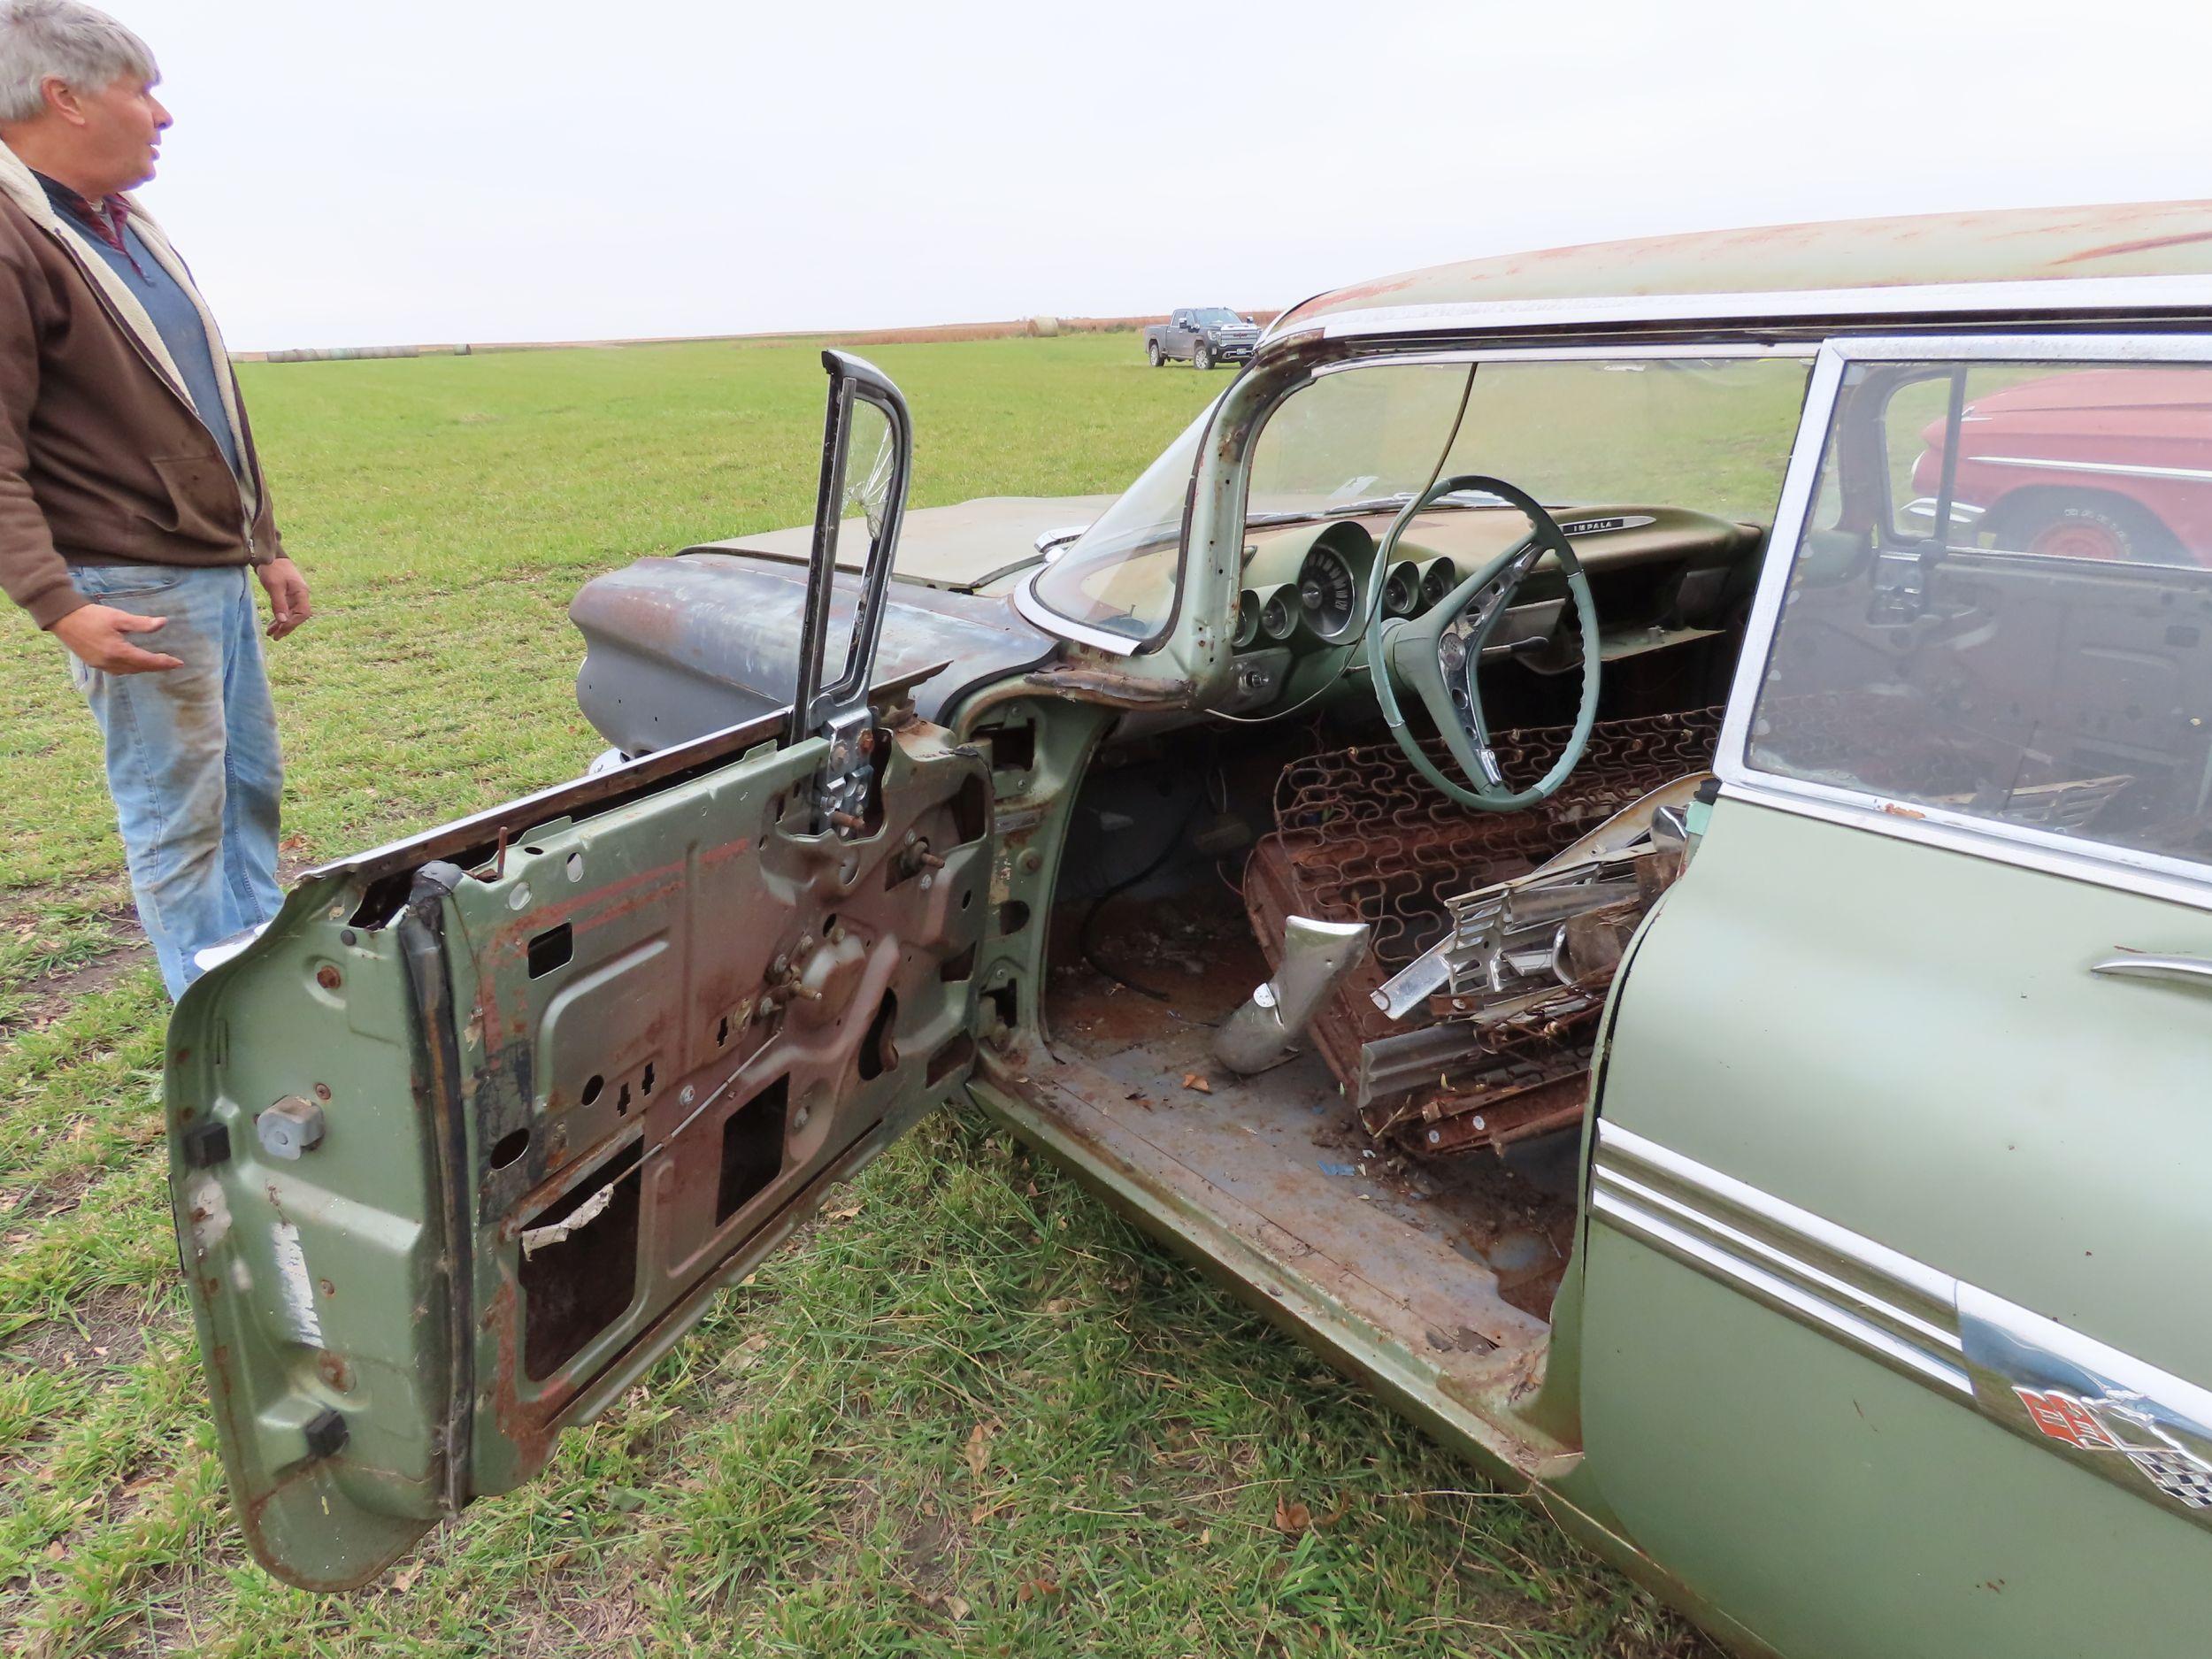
<point>2102,463</point>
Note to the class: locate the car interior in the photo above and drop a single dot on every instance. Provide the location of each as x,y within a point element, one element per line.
<point>1416,1162</point>
<point>1413,1153</point>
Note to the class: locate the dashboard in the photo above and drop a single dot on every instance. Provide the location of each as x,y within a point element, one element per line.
<point>1660,575</point>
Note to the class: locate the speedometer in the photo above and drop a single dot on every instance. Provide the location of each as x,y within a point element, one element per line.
<point>1328,594</point>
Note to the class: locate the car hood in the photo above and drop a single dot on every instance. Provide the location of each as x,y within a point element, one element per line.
<point>964,548</point>
<point>2109,389</point>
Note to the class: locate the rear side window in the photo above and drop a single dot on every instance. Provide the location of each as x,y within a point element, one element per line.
<point>2002,606</point>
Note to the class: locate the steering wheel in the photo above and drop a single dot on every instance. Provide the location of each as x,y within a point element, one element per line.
<point>1438,652</point>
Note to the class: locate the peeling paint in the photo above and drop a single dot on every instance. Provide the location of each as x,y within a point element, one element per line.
<point>209,1213</point>
<point>295,1289</point>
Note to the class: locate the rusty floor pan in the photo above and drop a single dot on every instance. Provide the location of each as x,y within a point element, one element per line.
<point>1458,1265</point>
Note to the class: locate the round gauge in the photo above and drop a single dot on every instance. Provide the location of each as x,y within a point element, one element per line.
<point>1278,613</point>
<point>1248,630</point>
<point>1327,593</point>
<point>1401,589</point>
<point>1439,579</point>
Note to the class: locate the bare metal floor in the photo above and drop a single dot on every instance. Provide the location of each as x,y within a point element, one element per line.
<point>1437,1258</point>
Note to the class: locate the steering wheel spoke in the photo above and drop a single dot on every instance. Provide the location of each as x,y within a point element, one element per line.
<point>1439,654</point>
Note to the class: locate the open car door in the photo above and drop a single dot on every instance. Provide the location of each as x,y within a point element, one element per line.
<point>475,1130</point>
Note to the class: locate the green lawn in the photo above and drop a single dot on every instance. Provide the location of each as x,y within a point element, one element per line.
<point>977,1414</point>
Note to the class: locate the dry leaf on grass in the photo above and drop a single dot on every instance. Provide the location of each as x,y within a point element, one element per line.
<point>1035,1588</point>
<point>1292,1516</point>
<point>979,1449</point>
<point>845,1211</point>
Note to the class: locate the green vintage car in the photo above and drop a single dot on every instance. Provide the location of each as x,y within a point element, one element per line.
<point>1529,842</point>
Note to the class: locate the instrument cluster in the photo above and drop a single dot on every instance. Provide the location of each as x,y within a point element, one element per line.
<point>1325,599</point>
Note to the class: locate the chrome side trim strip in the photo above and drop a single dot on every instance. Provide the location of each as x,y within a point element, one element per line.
<point>2197,474</point>
<point>1840,1242</point>
<point>1778,1293</point>
<point>1897,1310</point>
<point>2114,867</point>
<point>1611,1181</point>
<point>2095,1406</point>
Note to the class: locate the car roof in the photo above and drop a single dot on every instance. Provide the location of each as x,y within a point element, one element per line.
<point>1932,250</point>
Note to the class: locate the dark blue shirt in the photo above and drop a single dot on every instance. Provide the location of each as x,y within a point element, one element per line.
<point>174,316</point>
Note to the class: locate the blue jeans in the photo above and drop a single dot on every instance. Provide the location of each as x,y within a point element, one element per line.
<point>191,757</point>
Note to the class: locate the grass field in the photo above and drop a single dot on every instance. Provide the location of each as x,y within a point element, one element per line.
<point>974,1414</point>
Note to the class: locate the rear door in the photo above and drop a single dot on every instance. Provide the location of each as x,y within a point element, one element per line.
<point>1897,1336</point>
<point>474,1132</point>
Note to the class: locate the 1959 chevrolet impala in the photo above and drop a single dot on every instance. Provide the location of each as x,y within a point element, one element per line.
<point>1700,940</point>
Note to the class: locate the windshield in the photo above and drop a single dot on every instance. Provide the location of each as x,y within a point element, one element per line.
<point>1214,314</point>
<point>1712,435</point>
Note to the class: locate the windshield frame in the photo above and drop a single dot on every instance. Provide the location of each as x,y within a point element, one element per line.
<point>1229,448</point>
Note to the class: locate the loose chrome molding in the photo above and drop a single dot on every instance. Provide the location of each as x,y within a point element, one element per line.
<point>2143,1428</point>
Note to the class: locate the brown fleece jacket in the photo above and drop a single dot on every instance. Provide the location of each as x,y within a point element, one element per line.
<point>102,458</point>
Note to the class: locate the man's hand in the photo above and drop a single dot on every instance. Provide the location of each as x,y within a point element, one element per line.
<point>99,637</point>
<point>288,596</point>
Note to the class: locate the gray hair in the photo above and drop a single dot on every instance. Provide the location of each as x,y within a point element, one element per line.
<point>65,41</point>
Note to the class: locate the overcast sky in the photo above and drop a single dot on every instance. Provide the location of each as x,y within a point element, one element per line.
<point>449,170</point>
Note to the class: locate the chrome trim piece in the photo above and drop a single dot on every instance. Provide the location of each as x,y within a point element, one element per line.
<point>2035,296</point>
<point>1613,1182</point>
<point>2119,1417</point>
<point>1048,540</point>
<point>2021,844</point>
<point>1963,512</point>
<point>1637,352</point>
<point>1606,526</point>
<point>1799,482</point>
<point>1034,610</point>
<point>1780,1293</point>
<point>2107,1411</point>
<point>2194,474</point>
<point>1889,1306</point>
<point>2148,967</point>
<point>1839,1242</point>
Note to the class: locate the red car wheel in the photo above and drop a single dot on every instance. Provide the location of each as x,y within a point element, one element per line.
<point>2094,530</point>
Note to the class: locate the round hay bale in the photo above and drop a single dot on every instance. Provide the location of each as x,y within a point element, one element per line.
<point>1045,328</point>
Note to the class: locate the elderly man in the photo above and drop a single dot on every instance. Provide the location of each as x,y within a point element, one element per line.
<point>132,504</point>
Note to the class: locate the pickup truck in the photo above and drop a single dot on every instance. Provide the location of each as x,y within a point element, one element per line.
<point>1204,336</point>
